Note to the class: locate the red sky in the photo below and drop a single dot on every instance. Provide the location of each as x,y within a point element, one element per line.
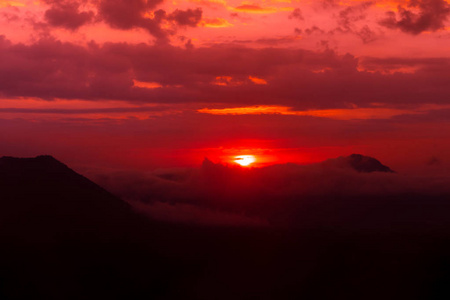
<point>148,84</point>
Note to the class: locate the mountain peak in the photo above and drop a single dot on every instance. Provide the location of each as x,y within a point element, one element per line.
<point>359,163</point>
<point>39,166</point>
<point>40,159</point>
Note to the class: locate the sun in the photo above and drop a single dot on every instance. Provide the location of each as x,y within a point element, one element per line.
<point>244,160</point>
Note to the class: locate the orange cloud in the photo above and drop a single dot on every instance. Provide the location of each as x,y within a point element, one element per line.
<point>215,23</point>
<point>11,3</point>
<point>227,81</point>
<point>146,85</point>
<point>337,114</point>
<point>210,2</point>
<point>280,1</point>
<point>255,9</point>
<point>223,80</point>
<point>257,80</point>
<point>287,8</point>
<point>250,110</point>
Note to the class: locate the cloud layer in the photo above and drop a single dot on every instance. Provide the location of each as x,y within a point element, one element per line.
<point>301,79</point>
<point>279,195</point>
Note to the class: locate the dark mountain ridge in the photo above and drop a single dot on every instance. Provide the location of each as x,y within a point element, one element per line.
<point>64,237</point>
<point>44,196</point>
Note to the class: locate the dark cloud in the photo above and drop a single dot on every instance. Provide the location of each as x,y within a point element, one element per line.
<point>352,14</point>
<point>348,19</point>
<point>428,65</point>
<point>82,111</point>
<point>296,14</point>
<point>67,14</point>
<point>127,14</point>
<point>314,29</point>
<point>366,34</point>
<point>11,16</point>
<point>299,78</point>
<point>418,16</point>
<point>120,14</point>
<point>189,44</point>
<point>329,4</point>
<point>189,17</point>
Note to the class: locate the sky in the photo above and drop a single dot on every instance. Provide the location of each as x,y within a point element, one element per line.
<point>136,84</point>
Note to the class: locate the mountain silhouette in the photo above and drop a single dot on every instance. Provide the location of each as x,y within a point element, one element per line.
<point>64,237</point>
<point>359,163</point>
<point>44,196</point>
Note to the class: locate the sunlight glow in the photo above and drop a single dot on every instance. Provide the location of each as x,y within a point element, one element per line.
<point>244,160</point>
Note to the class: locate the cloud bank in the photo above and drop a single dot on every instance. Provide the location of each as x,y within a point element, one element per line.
<point>338,192</point>
<point>301,79</point>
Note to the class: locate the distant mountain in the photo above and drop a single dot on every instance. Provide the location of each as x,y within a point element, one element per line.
<point>359,163</point>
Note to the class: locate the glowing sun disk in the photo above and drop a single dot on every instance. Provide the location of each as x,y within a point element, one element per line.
<point>244,160</point>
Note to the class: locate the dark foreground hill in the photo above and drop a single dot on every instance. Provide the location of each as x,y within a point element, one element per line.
<point>43,199</point>
<point>64,237</point>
